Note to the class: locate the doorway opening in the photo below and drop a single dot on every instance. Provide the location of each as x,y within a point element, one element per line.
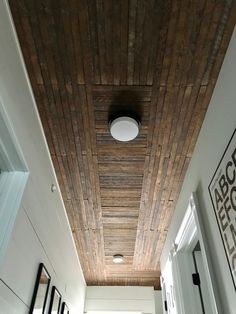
<point>192,275</point>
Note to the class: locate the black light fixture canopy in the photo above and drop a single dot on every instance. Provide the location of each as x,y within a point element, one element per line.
<point>118,258</point>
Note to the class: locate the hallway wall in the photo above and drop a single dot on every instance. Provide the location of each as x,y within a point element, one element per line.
<point>41,232</point>
<point>120,298</point>
<point>216,131</point>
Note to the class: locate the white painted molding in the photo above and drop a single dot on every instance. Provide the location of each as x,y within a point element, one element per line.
<point>11,155</point>
<point>212,287</point>
<point>13,178</point>
<point>190,232</point>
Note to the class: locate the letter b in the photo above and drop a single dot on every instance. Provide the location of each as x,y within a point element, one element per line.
<point>224,187</point>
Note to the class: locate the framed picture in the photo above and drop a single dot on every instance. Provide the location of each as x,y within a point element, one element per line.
<point>55,301</point>
<point>64,308</point>
<point>222,189</point>
<point>40,293</point>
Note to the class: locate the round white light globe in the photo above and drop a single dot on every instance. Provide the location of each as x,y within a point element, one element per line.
<point>124,129</point>
<point>118,258</point>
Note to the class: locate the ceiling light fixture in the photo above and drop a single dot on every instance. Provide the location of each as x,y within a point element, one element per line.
<point>124,128</point>
<point>118,258</point>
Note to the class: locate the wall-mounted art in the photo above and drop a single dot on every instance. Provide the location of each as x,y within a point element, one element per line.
<point>40,293</point>
<point>55,301</point>
<point>64,308</point>
<point>222,189</point>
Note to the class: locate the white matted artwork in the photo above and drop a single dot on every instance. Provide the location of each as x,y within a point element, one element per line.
<point>55,301</point>
<point>222,189</point>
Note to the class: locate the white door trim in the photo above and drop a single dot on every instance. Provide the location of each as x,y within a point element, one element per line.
<point>13,178</point>
<point>191,231</point>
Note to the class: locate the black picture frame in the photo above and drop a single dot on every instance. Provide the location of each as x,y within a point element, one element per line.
<point>43,278</point>
<point>64,308</point>
<point>55,301</point>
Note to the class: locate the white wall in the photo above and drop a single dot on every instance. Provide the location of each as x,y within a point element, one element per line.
<point>120,299</point>
<point>41,232</point>
<point>218,126</point>
<point>158,302</point>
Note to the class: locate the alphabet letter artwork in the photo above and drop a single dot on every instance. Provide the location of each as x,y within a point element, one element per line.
<point>222,189</point>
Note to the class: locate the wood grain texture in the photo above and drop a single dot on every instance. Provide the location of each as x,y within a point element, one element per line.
<point>89,60</point>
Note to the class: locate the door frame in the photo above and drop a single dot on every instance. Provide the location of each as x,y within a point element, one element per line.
<point>190,232</point>
<point>13,177</point>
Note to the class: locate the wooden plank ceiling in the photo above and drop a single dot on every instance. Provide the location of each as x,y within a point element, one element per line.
<point>89,59</point>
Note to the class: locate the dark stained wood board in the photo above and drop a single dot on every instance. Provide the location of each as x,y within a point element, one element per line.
<point>90,59</point>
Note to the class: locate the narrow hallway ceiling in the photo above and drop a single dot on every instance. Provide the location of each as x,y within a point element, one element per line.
<point>88,60</point>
